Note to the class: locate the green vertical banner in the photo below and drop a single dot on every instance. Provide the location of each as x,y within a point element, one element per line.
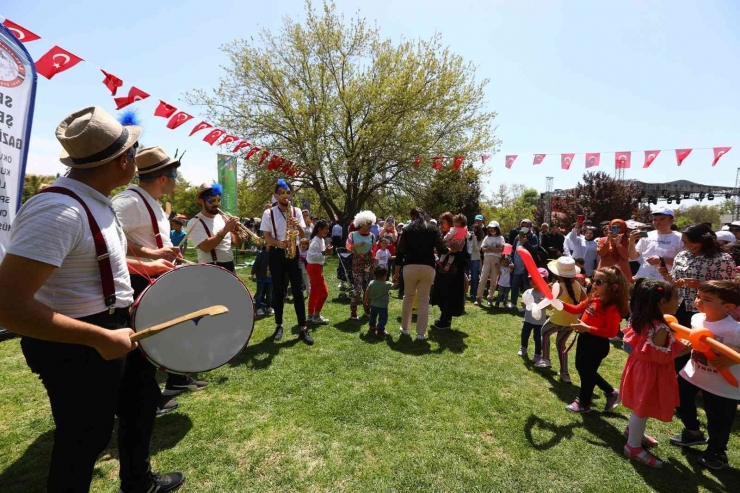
<point>227,179</point>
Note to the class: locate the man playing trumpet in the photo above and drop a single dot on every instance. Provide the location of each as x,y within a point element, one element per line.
<point>213,235</point>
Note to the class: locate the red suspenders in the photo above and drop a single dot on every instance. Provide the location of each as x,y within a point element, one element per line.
<point>155,225</point>
<point>208,232</point>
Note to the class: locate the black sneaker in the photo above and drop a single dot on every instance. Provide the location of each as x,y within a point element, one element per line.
<point>439,324</point>
<point>167,407</point>
<point>160,483</point>
<point>687,439</point>
<point>278,333</point>
<point>189,383</point>
<point>305,336</point>
<point>714,460</point>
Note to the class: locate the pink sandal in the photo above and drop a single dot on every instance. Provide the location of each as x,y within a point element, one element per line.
<point>641,455</point>
<point>647,440</point>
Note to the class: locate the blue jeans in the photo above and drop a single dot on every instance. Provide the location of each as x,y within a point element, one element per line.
<point>264,290</point>
<point>474,276</point>
<point>379,314</point>
<point>503,291</point>
<point>519,282</point>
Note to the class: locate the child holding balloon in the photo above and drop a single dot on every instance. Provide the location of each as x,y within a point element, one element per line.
<point>533,320</point>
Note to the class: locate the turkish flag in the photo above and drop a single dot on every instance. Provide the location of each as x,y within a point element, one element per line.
<point>241,145</point>
<point>510,160</point>
<point>650,157</point>
<point>538,158</point>
<point>20,32</point>
<point>228,140</point>
<point>417,161</point>
<point>200,126</point>
<point>457,162</point>
<point>437,162</point>
<point>719,152</point>
<point>164,110</point>
<point>292,170</point>
<point>274,162</point>
<point>566,160</point>
<point>134,94</point>
<point>112,82</point>
<point>484,158</point>
<point>254,150</point>
<point>263,157</point>
<point>213,136</point>
<point>56,60</point>
<point>178,119</point>
<point>286,167</point>
<point>592,159</point>
<point>622,160</point>
<point>682,154</point>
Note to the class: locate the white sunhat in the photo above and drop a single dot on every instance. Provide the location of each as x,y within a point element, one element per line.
<point>564,267</point>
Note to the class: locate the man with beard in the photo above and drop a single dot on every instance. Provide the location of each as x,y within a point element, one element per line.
<point>275,222</point>
<point>212,235</point>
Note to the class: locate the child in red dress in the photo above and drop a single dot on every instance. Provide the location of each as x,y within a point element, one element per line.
<point>649,386</point>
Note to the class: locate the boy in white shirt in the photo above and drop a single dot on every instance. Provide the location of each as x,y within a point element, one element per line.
<point>715,300</point>
<point>383,255</point>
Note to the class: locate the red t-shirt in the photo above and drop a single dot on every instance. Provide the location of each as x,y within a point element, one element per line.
<point>604,322</point>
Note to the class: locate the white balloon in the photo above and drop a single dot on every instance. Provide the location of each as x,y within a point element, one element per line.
<point>557,304</point>
<point>555,290</point>
<point>528,299</point>
<point>536,312</point>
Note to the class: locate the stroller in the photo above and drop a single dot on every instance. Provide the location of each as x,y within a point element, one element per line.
<point>344,273</point>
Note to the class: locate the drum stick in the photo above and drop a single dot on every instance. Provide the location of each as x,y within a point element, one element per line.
<point>211,311</point>
<point>168,209</point>
<point>187,233</point>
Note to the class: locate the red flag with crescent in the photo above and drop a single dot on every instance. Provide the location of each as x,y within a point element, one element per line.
<point>719,152</point>
<point>510,160</point>
<point>538,158</point>
<point>650,157</point>
<point>20,32</point>
<point>622,160</point>
<point>682,154</point>
<point>437,162</point>
<point>241,145</point>
<point>112,82</point>
<point>164,110</point>
<point>178,119</point>
<point>484,158</point>
<point>417,161</point>
<point>592,159</point>
<point>254,150</point>
<point>228,140</point>
<point>286,167</point>
<point>263,157</point>
<point>566,160</point>
<point>200,126</point>
<point>457,162</point>
<point>55,61</point>
<point>213,136</point>
<point>292,170</point>
<point>134,94</point>
<point>274,162</point>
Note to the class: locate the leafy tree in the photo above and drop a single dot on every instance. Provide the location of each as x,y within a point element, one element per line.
<point>33,184</point>
<point>699,213</point>
<point>457,191</point>
<point>509,205</point>
<point>352,108</point>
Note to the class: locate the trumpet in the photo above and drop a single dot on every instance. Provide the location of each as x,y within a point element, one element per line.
<point>243,232</point>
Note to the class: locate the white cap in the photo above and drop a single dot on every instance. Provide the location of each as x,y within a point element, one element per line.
<point>726,236</point>
<point>661,209</point>
<point>735,223</point>
<point>493,224</point>
<point>725,228</point>
<point>632,224</point>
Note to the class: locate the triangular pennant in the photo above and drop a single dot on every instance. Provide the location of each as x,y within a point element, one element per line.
<point>254,150</point>
<point>510,160</point>
<point>566,160</point>
<point>457,162</point>
<point>241,145</point>
<point>20,32</point>
<point>213,136</point>
<point>719,152</point>
<point>111,82</point>
<point>649,158</point>
<point>484,158</point>
<point>538,158</point>
<point>164,110</point>
<point>682,154</point>
<point>263,157</point>
<point>55,61</point>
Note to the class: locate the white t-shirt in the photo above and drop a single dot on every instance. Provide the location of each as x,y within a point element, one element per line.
<point>316,251</point>
<point>703,375</point>
<point>667,245</point>
<point>53,229</point>
<point>199,235</point>
<point>135,219</point>
<point>492,242</point>
<point>504,278</point>
<point>382,256</point>
<point>280,222</point>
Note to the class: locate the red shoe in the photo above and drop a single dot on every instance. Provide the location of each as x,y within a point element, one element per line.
<point>647,440</point>
<point>641,455</point>
<point>371,330</point>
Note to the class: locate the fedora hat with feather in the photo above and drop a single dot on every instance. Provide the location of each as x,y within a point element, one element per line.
<point>151,159</point>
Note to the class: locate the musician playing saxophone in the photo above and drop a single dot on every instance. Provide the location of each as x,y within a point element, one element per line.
<point>278,222</point>
<point>212,235</point>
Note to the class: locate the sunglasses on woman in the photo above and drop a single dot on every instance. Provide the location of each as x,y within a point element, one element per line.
<point>599,282</point>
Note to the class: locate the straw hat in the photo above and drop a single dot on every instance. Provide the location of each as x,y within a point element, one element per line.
<point>91,137</point>
<point>151,159</point>
<point>564,267</point>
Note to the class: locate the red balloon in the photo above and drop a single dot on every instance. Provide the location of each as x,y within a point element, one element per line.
<point>507,249</point>
<point>537,279</point>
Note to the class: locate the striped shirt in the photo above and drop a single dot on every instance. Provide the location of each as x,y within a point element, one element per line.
<point>53,229</point>
<point>135,219</point>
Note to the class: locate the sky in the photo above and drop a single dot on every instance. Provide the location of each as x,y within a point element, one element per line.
<point>564,76</point>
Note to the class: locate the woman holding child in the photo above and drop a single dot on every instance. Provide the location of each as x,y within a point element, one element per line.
<point>451,278</point>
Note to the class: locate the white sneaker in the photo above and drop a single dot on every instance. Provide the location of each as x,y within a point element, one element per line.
<point>509,306</point>
<point>260,312</point>
<point>404,332</point>
<point>269,311</point>
<point>522,352</point>
<point>319,320</point>
<point>543,363</point>
<point>420,337</point>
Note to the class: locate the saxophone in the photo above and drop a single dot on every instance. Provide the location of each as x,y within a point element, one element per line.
<point>291,237</point>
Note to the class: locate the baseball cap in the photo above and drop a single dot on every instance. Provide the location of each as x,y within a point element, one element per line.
<point>493,224</point>
<point>661,209</point>
<point>735,223</point>
<point>478,217</point>
<point>726,236</point>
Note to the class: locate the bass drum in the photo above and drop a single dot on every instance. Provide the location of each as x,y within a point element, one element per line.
<point>199,345</point>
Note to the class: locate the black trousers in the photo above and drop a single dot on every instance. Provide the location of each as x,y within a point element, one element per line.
<point>590,352</point>
<point>86,392</point>
<point>720,414</point>
<point>280,268</point>
<point>227,265</point>
<point>336,242</point>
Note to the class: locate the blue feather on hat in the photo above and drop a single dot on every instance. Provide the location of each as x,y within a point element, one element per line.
<point>283,184</point>
<point>129,117</point>
<point>217,189</point>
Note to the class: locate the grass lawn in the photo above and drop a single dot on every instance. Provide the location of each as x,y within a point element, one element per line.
<point>459,412</point>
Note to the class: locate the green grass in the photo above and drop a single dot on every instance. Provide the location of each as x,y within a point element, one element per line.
<point>459,412</point>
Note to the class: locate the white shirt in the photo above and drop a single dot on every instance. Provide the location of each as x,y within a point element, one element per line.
<point>577,246</point>
<point>492,242</point>
<point>667,245</point>
<point>336,230</point>
<point>280,222</point>
<point>135,219</point>
<point>316,249</point>
<point>382,256</point>
<point>703,375</point>
<point>504,278</point>
<point>53,229</point>
<point>199,235</point>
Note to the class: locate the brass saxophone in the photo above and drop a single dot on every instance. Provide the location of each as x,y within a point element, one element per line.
<point>291,237</point>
